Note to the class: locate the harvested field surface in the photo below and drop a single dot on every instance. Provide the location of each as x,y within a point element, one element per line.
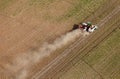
<point>34,37</point>
<point>100,63</point>
<point>81,49</point>
<point>101,59</point>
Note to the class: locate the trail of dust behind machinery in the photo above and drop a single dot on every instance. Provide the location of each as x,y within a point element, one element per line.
<point>21,64</point>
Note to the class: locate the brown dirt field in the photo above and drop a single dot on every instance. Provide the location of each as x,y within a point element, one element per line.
<point>37,28</point>
<point>24,28</point>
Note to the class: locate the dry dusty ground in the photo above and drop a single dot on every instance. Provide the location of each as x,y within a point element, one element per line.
<point>26,24</point>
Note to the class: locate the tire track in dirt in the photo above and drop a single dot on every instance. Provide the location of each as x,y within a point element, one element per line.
<point>55,62</point>
<point>114,12</point>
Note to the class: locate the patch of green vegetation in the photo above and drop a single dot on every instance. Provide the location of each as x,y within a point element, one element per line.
<point>5,3</point>
<point>104,48</point>
<point>106,57</point>
<point>82,9</point>
<point>113,63</point>
<point>80,71</point>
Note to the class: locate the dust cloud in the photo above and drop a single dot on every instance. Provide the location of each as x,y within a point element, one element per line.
<point>23,62</point>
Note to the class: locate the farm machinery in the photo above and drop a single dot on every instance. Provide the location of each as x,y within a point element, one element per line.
<point>85,26</point>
